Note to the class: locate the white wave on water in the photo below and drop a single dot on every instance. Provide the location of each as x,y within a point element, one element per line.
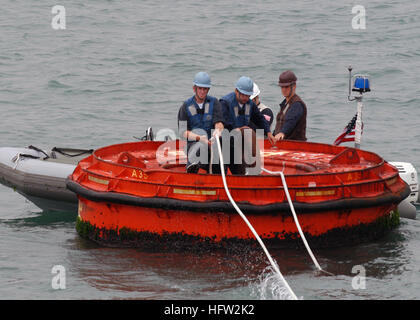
<point>269,286</point>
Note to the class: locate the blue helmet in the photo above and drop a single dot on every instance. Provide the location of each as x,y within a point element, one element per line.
<point>202,79</point>
<point>245,86</point>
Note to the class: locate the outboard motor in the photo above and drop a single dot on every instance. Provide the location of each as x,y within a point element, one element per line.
<point>148,137</point>
<point>165,134</point>
<point>408,173</point>
<point>149,134</point>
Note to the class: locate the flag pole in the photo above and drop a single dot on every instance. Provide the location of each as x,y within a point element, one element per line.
<point>358,133</point>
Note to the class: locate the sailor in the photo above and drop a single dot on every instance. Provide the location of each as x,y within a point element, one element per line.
<point>265,111</point>
<point>239,111</point>
<point>291,119</point>
<point>196,118</point>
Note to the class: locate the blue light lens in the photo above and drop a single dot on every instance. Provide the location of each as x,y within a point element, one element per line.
<point>361,84</point>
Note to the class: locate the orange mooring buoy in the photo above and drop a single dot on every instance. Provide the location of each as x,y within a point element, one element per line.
<point>342,196</point>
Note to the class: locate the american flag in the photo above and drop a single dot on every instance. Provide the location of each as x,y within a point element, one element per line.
<point>348,133</point>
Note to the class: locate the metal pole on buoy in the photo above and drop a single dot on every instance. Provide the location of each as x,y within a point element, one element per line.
<point>361,85</point>
<point>358,133</point>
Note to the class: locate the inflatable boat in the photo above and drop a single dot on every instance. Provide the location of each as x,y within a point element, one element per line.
<point>40,176</point>
<point>128,196</point>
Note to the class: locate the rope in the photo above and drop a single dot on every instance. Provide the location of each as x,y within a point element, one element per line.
<point>274,265</point>
<point>81,152</point>
<point>16,161</point>
<point>286,190</point>
<point>39,150</point>
<point>211,159</point>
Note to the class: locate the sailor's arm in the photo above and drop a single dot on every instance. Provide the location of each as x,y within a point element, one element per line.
<point>184,129</point>
<point>218,117</point>
<point>292,118</point>
<point>260,121</point>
